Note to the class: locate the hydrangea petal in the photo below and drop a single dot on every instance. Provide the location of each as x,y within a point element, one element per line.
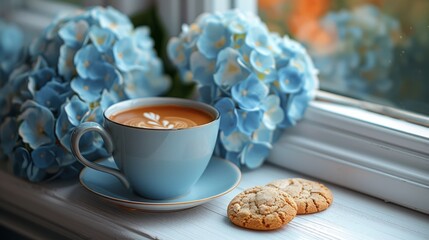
<point>126,54</point>
<point>37,127</point>
<point>228,113</point>
<point>74,33</point>
<point>213,39</point>
<point>102,38</point>
<point>52,95</point>
<point>273,113</point>
<point>290,80</point>
<point>249,93</point>
<point>248,121</point>
<point>34,173</point>
<point>262,63</point>
<point>87,89</point>
<point>254,154</point>
<point>20,161</point>
<point>76,110</point>
<point>258,39</point>
<point>235,141</point>
<point>43,157</point>
<point>63,129</point>
<point>66,67</point>
<point>108,98</point>
<point>115,21</point>
<point>176,52</point>
<point>202,68</point>
<point>85,58</point>
<point>263,134</point>
<point>229,71</point>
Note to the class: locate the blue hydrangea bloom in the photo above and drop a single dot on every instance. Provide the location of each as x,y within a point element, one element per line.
<point>228,113</point>
<point>254,154</point>
<point>236,21</point>
<point>64,128</point>
<point>21,159</point>
<point>202,68</point>
<point>273,113</point>
<point>213,39</point>
<point>85,58</point>
<point>126,55</point>
<point>74,34</point>
<point>177,52</point>
<point>69,76</point>
<point>76,110</point>
<point>39,78</point>
<point>108,98</point>
<point>209,94</point>
<point>66,66</point>
<point>52,95</point>
<point>262,63</point>
<point>263,134</point>
<point>248,121</point>
<point>102,38</point>
<point>102,76</point>
<point>87,89</point>
<point>37,127</point>
<point>51,158</point>
<point>249,93</point>
<point>290,80</point>
<point>113,20</point>
<point>34,173</point>
<point>234,142</point>
<point>229,71</point>
<point>48,49</point>
<point>296,108</point>
<point>364,64</point>
<point>141,37</point>
<point>43,157</point>
<point>259,39</point>
<point>257,77</point>
<point>95,115</point>
<point>140,83</point>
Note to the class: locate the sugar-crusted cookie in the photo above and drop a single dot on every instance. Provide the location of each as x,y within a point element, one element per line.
<point>262,208</point>
<point>310,196</point>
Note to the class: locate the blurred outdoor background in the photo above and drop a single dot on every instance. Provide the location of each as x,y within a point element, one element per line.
<point>373,50</point>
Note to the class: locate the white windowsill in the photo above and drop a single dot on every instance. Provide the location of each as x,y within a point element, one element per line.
<point>363,151</point>
<point>66,210</point>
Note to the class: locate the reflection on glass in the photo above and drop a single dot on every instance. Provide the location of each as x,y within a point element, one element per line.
<point>375,50</point>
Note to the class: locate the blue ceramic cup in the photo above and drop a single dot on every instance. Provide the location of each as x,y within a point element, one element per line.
<point>154,163</point>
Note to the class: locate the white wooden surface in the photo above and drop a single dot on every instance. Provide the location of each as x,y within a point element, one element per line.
<point>67,209</point>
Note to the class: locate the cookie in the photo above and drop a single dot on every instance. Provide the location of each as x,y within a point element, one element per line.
<point>310,196</point>
<point>261,208</point>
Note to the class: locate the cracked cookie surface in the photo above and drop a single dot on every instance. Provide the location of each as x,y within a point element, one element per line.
<point>262,208</point>
<point>310,196</point>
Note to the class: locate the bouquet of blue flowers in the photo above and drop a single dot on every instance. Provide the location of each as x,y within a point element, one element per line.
<point>260,82</point>
<point>360,53</point>
<point>82,63</point>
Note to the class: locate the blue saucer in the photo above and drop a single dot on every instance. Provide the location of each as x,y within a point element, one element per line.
<point>219,178</point>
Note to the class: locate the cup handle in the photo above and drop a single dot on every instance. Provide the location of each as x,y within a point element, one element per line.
<point>75,139</point>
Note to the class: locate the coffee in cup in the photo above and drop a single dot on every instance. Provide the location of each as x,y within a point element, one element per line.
<point>162,117</point>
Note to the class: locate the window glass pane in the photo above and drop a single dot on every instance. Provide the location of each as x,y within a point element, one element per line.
<point>374,50</point>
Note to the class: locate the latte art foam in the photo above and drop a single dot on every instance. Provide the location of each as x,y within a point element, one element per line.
<point>153,120</point>
<point>162,117</point>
